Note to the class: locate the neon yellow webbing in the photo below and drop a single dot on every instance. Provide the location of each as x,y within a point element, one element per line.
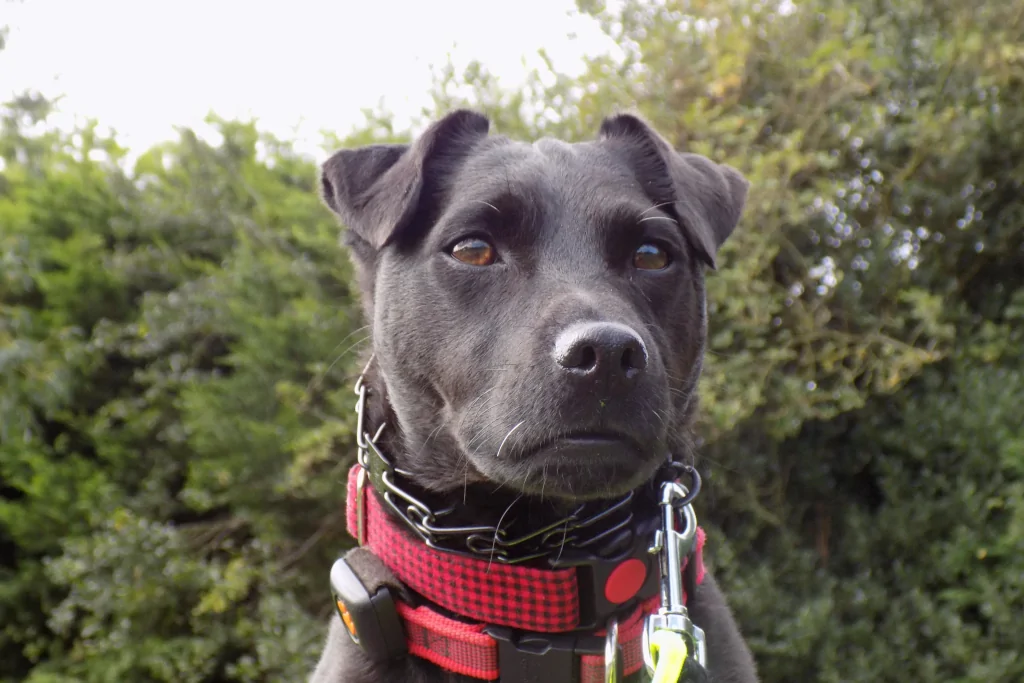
<point>669,651</point>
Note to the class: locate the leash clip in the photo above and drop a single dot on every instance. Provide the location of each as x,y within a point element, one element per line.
<point>672,546</point>
<point>612,661</point>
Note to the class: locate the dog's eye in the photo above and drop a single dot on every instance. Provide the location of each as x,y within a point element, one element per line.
<point>475,252</point>
<point>651,257</point>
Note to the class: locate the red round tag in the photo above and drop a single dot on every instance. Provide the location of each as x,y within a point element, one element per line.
<point>625,581</point>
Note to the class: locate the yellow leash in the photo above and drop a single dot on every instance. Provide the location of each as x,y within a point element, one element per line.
<point>669,652</point>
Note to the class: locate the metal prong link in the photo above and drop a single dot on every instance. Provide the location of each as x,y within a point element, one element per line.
<point>363,444</point>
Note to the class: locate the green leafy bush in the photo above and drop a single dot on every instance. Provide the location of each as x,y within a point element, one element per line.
<point>178,338</point>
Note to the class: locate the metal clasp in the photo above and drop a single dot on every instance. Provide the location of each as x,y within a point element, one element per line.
<point>611,652</point>
<point>672,546</point>
<point>363,444</point>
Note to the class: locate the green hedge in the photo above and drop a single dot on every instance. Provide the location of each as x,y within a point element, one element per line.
<point>178,337</point>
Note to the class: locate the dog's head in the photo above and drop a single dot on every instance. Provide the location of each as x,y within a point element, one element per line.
<point>537,310</point>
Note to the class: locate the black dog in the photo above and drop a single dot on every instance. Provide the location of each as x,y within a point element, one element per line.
<point>538,323</point>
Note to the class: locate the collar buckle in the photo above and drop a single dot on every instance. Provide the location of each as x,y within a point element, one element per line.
<point>608,583</point>
<point>541,657</point>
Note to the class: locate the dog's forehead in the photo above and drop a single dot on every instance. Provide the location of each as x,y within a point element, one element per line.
<point>546,168</point>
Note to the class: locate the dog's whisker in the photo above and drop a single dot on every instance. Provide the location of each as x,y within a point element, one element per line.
<point>659,218</point>
<point>561,546</point>
<point>502,483</point>
<point>682,396</point>
<point>504,366</point>
<point>351,334</point>
<point>354,345</point>
<point>482,433</point>
<point>480,397</point>
<point>480,201</point>
<point>507,436</point>
<point>654,208</point>
<point>497,529</point>
<point>316,381</point>
<point>433,433</point>
<point>543,481</point>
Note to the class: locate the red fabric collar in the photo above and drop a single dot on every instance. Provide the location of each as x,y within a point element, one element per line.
<point>487,593</point>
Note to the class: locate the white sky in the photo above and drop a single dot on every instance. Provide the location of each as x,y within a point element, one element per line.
<point>144,66</point>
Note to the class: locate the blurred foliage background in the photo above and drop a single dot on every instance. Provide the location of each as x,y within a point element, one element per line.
<point>178,337</point>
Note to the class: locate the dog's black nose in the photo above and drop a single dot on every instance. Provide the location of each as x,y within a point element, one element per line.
<point>602,350</point>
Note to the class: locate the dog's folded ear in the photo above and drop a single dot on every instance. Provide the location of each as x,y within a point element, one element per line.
<point>707,198</point>
<point>378,190</point>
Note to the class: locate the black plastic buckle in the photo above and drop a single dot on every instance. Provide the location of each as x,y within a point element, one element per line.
<point>593,571</point>
<point>542,657</point>
<point>371,621</point>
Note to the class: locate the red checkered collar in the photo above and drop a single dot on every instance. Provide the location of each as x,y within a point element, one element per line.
<point>466,607</point>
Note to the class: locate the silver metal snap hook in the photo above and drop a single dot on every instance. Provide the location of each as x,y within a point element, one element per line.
<point>611,652</point>
<point>672,546</point>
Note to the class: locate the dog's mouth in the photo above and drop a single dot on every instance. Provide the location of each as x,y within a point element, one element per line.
<point>586,465</point>
<point>594,444</point>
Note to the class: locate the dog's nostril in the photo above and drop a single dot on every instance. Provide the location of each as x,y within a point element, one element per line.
<point>627,360</point>
<point>587,358</point>
<point>580,356</point>
<point>634,359</point>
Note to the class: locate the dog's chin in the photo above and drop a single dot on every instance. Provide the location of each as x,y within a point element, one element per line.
<point>582,467</point>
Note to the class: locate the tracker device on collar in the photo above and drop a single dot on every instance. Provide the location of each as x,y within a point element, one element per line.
<point>368,613</point>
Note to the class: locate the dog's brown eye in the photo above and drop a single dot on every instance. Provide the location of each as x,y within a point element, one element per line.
<point>650,257</point>
<point>475,252</point>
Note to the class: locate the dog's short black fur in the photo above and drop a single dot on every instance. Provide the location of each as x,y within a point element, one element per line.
<point>554,354</point>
